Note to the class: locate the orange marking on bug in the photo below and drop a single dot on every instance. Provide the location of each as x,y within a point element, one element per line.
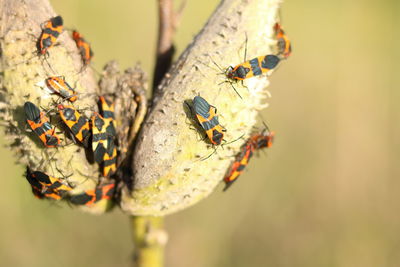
<point>58,85</point>
<point>83,46</point>
<point>216,129</point>
<point>284,44</point>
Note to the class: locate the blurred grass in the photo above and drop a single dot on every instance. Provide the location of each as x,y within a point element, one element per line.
<point>326,193</point>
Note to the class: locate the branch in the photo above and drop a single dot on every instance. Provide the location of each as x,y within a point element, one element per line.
<point>165,48</point>
<point>168,171</point>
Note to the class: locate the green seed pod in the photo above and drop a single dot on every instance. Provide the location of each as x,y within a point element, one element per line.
<point>23,72</point>
<point>169,171</point>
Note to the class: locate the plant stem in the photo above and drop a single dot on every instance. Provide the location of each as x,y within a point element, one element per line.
<point>149,239</point>
<point>165,48</point>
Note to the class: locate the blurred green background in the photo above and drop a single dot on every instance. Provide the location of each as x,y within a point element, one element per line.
<point>326,194</point>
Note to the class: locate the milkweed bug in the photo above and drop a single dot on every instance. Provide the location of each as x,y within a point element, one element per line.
<point>83,46</point>
<point>110,157</point>
<point>51,30</point>
<point>103,146</point>
<point>264,139</point>
<point>51,182</point>
<point>92,196</point>
<point>252,67</point>
<point>101,140</point>
<point>207,119</point>
<point>45,186</point>
<point>39,123</point>
<point>58,85</point>
<point>249,68</point>
<point>206,115</point>
<point>77,123</point>
<point>35,185</point>
<point>284,44</point>
<point>237,167</point>
<point>107,111</point>
<point>255,141</point>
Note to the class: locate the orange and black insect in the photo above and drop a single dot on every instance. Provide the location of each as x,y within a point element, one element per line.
<point>77,123</point>
<point>101,140</point>
<point>256,141</point>
<point>208,119</point>
<point>252,67</point>
<point>40,124</point>
<point>104,150</point>
<point>37,187</point>
<point>237,167</point>
<point>83,46</point>
<point>107,111</point>
<point>263,139</point>
<point>45,186</point>
<point>51,183</point>
<point>51,30</point>
<point>58,85</point>
<point>249,68</point>
<point>284,44</point>
<point>92,196</point>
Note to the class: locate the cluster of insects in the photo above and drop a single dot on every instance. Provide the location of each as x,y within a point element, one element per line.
<point>97,134</point>
<point>206,114</point>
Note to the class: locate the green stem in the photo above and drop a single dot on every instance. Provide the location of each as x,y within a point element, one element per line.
<point>149,239</point>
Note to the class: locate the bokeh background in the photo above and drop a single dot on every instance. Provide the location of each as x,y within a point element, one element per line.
<point>326,193</point>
